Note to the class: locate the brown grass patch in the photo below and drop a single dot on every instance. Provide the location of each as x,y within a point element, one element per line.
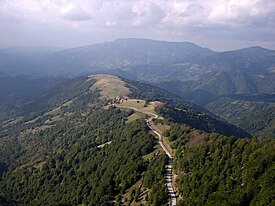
<point>109,86</point>
<point>141,105</point>
<point>134,117</point>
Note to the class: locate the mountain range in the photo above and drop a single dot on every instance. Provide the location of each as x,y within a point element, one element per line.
<point>197,74</point>
<point>181,67</point>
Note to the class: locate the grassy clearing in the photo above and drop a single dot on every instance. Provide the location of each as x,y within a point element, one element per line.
<point>159,127</point>
<point>136,103</point>
<point>54,119</point>
<point>109,86</point>
<point>142,105</point>
<point>134,117</point>
<point>106,107</point>
<point>162,127</point>
<point>58,110</point>
<point>168,145</point>
<point>55,111</point>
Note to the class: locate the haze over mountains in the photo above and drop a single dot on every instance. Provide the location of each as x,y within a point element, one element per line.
<point>180,66</point>
<point>197,74</point>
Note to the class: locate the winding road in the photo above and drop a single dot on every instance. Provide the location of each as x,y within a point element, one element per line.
<point>169,166</point>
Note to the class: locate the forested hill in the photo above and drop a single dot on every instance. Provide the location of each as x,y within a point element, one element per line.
<point>183,111</point>
<point>70,146</point>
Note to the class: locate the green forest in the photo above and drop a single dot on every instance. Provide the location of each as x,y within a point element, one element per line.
<point>69,146</point>
<point>216,170</point>
<point>81,173</point>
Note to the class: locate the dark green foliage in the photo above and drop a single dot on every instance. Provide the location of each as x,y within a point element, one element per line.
<point>154,179</point>
<point>4,201</point>
<point>45,94</point>
<point>149,92</point>
<point>55,159</point>
<point>201,121</point>
<point>186,113</point>
<point>81,172</point>
<point>222,170</point>
<point>254,114</point>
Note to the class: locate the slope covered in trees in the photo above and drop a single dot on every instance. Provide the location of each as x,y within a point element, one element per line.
<point>69,146</point>
<point>82,173</point>
<point>216,170</point>
<point>255,113</point>
<point>58,154</point>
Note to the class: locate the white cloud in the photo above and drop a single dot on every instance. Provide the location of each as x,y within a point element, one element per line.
<point>75,13</point>
<point>240,11</point>
<point>170,19</point>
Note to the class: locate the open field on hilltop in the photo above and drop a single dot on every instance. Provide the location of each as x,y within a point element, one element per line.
<point>141,105</point>
<point>109,86</point>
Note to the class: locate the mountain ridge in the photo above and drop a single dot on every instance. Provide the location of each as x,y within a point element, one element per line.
<point>83,144</point>
<point>246,71</point>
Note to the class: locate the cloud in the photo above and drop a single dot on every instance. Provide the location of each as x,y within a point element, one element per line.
<point>241,12</point>
<point>75,13</point>
<point>193,20</point>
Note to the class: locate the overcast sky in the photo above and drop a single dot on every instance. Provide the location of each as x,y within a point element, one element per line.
<point>216,24</point>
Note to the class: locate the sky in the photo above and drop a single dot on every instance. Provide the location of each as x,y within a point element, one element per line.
<point>217,24</point>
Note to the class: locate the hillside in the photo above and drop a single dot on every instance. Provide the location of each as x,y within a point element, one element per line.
<point>61,144</point>
<point>255,114</point>
<point>71,146</point>
<point>197,74</point>
<point>214,170</point>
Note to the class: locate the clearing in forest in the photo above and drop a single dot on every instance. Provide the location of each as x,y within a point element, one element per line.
<point>109,86</point>
<point>140,105</point>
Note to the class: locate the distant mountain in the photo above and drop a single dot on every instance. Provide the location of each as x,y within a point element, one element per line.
<point>29,50</point>
<point>25,60</point>
<point>181,67</point>
<point>124,57</point>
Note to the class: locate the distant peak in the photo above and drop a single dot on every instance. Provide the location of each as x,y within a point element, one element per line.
<point>254,48</point>
<point>155,42</point>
